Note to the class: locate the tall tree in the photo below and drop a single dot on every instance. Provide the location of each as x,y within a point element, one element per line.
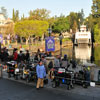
<point>96,8</point>
<point>61,24</point>
<point>73,21</point>
<point>80,18</point>
<point>27,28</point>
<point>17,15</point>
<point>74,28</point>
<point>95,19</point>
<point>39,14</point>
<point>13,15</point>
<point>9,29</point>
<point>23,17</point>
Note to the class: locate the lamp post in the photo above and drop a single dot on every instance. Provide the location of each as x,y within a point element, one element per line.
<point>79,24</point>
<point>29,43</point>
<point>49,31</point>
<point>87,24</point>
<point>60,38</point>
<point>0,47</point>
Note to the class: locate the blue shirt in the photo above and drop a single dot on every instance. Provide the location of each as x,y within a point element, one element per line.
<point>41,72</point>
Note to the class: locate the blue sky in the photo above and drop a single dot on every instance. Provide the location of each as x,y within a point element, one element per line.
<point>55,6</point>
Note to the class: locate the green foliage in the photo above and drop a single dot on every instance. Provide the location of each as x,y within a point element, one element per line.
<point>72,18</point>
<point>94,20</point>
<point>9,29</point>
<point>28,28</point>
<point>97,33</point>
<point>89,21</point>
<point>66,39</point>
<point>76,19</point>
<point>15,15</point>
<point>51,21</point>
<point>23,17</point>
<point>61,24</point>
<point>96,7</point>
<point>80,18</point>
<point>39,14</point>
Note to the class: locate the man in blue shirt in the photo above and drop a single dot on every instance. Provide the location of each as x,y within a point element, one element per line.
<point>41,73</point>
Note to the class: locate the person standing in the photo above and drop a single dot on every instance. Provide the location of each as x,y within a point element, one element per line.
<point>64,62</point>
<point>44,63</point>
<point>2,55</point>
<point>27,56</point>
<point>87,75</point>
<point>6,55</point>
<point>56,61</point>
<point>21,56</point>
<point>15,54</point>
<point>41,74</point>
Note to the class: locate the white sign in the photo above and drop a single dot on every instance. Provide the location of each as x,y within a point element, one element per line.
<point>92,84</point>
<point>61,70</point>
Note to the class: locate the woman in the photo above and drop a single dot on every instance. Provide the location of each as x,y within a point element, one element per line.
<point>41,74</point>
<point>15,55</point>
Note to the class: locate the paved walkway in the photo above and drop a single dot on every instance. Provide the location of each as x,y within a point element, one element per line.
<point>93,92</point>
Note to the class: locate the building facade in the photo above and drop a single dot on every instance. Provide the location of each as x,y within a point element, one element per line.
<point>4,24</point>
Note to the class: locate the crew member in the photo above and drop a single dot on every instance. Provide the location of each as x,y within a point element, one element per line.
<point>41,74</point>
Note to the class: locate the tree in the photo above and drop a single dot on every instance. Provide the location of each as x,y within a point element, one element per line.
<point>27,28</point>
<point>97,33</point>
<point>73,21</point>
<point>23,17</point>
<point>96,8</point>
<point>39,14</point>
<point>80,18</point>
<point>89,21</point>
<point>94,20</point>
<point>10,29</point>
<point>74,28</point>
<point>15,15</point>
<point>61,24</point>
<point>51,21</point>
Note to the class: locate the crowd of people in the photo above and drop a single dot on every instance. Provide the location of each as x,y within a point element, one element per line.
<point>18,57</point>
<point>42,66</point>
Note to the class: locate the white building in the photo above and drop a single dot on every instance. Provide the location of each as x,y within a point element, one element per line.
<point>2,19</point>
<point>4,23</point>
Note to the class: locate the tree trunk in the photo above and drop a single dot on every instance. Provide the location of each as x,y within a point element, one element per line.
<point>16,43</point>
<point>27,41</point>
<point>21,40</point>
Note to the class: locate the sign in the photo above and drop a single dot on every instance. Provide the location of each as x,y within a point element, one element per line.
<point>62,70</point>
<point>50,44</point>
<point>92,84</point>
<point>1,38</point>
<point>60,38</point>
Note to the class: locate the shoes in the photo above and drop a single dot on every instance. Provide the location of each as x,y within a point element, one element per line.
<point>37,88</point>
<point>41,87</point>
